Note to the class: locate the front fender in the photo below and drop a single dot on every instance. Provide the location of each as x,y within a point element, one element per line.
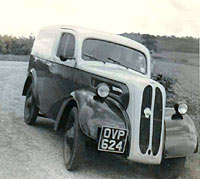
<point>93,113</point>
<point>181,136</point>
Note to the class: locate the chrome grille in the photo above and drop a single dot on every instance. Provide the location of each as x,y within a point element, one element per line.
<point>157,121</point>
<point>145,122</point>
<point>145,129</point>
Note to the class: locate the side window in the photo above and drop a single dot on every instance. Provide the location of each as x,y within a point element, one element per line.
<point>66,46</point>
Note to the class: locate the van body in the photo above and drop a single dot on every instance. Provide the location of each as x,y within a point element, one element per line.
<point>106,77</point>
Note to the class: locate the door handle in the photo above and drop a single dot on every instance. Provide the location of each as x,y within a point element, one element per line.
<point>49,64</point>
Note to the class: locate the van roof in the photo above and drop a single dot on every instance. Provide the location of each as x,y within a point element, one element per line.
<point>102,35</point>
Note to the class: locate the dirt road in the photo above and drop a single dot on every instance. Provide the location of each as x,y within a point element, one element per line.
<point>36,151</point>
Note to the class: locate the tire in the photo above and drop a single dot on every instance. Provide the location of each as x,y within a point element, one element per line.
<point>171,168</point>
<point>74,142</point>
<point>30,109</point>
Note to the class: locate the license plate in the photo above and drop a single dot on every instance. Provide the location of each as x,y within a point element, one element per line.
<point>113,140</point>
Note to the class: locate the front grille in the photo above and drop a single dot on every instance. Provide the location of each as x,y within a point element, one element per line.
<point>157,121</point>
<point>145,122</point>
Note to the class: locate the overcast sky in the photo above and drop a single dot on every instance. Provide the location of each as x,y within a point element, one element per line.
<point>159,17</point>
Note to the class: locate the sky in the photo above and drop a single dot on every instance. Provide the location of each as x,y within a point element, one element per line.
<point>157,17</point>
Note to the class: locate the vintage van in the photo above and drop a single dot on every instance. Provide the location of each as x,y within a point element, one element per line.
<point>97,85</point>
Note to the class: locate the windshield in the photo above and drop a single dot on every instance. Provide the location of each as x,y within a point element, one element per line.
<point>105,51</point>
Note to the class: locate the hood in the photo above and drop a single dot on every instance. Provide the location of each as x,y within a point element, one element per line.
<point>117,73</point>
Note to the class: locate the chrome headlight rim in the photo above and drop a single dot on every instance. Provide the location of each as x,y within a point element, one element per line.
<point>103,90</point>
<point>182,108</point>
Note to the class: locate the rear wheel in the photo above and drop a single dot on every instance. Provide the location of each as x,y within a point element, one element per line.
<point>30,109</point>
<point>74,142</point>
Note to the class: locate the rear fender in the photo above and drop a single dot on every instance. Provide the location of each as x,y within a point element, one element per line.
<point>31,79</point>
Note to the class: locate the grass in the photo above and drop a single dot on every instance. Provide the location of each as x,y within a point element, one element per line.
<point>179,57</point>
<point>8,57</point>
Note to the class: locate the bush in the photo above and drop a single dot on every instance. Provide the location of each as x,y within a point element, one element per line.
<point>16,46</point>
<point>168,83</point>
<point>149,41</point>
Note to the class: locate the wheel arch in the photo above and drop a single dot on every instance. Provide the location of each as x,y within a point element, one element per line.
<point>88,108</point>
<point>31,79</point>
<point>62,116</point>
<point>27,85</point>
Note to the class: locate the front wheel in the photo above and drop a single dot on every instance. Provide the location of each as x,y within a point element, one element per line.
<point>74,142</point>
<point>30,109</point>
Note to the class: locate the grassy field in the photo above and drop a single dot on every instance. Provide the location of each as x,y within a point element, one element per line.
<point>178,57</point>
<point>185,68</point>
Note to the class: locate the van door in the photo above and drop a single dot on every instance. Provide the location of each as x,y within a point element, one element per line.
<point>62,74</point>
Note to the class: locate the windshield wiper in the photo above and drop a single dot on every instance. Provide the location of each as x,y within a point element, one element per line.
<point>111,59</point>
<point>117,62</point>
<point>92,57</point>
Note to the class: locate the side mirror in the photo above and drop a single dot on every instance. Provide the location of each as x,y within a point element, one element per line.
<point>65,58</point>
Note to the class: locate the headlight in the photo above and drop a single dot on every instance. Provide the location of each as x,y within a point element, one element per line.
<point>103,90</point>
<point>182,108</point>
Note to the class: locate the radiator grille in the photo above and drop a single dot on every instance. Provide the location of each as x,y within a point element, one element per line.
<point>145,122</point>
<point>157,122</point>
<point>145,129</point>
